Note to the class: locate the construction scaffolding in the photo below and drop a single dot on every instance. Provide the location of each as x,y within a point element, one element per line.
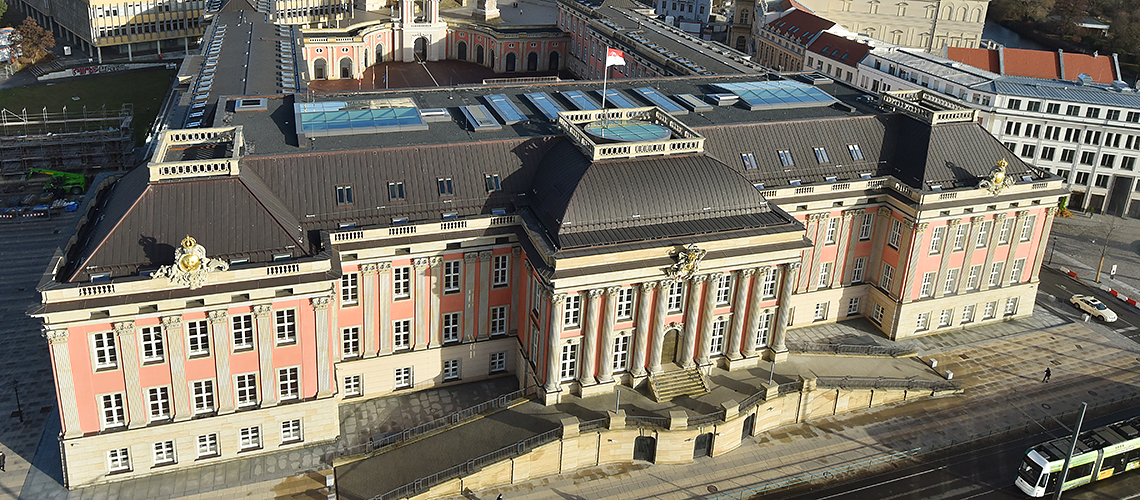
<point>82,141</point>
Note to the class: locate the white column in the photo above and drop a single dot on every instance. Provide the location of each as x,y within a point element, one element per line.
<point>219,332</point>
<point>641,336</point>
<point>469,270</point>
<point>384,300</point>
<point>659,326</point>
<point>65,382</point>
<point>420,295</point>
<point>175,345</point>
<point>321,311</point>
<point>995,230</point>
<point>606,360</point>
<point>751,328</point>
<point>590,339</point>
<point>739,312</point>
<point>692,311</point>
<point>368,299</point>
<point>129,361</point>
<point>554,343</point>
<point>706,320</point>
<point>1014,241</point>
<point>265,334</point>
<point>780,329</point>
<point>484,309</point>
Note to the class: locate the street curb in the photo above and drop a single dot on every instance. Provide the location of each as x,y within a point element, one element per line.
<point>1114,292</point>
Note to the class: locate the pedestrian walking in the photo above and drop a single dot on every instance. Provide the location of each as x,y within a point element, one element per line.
<point>2,461</point>
<point>1048,373</point>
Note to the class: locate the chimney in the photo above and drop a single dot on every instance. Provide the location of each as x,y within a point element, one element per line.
<point>1061,63</point>
<point>1116,68</point>
<point>1001,60</point>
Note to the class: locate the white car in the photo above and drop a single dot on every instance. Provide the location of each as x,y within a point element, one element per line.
<point>1094,307</point>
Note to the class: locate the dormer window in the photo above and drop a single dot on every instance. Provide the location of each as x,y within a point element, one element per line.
<point>786,158</point>
<point>396,190</point>
<point>344,195</point>
<point>445,186</point>
<point>492,181</point>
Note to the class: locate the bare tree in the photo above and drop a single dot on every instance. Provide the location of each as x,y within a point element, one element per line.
<point>35,41</point>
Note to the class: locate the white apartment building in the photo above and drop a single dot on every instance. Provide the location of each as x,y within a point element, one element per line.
<point>1087,133</point>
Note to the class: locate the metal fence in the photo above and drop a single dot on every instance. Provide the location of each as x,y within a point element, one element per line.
<point>593,425</point>
<point>794,386</point>
<point>451,420</point>
<point>853,467</point>
<point>471,466</point>
<point>699,420</point>
<point>886,383</point>
<point>852,350</point>
<point>639,421</point>
<point>752,400</point>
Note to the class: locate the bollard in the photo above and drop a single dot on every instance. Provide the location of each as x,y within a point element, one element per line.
<point>1052,298</point>
<point>1086,318</point>
<point>933,363</point>
<point>949,375</point>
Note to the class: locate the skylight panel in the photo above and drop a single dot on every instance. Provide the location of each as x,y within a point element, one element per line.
<point>786,158</point>
<point>505,109</point>
<point>856,153</point>
<point>616,99</point>
<point>821,155</point>
<point>545,104</point>
<point>580,101</point>
<point>658,99</point>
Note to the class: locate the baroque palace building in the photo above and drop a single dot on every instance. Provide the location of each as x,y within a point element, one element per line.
<point>299,253</point>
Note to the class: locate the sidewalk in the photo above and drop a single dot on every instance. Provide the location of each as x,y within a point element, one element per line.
<point>1077,244</point>
<point>1001,377</point>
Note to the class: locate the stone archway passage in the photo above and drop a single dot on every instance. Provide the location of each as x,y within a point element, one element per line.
<point>479,54</point>
<point>421,49</point>
<point>553,61</point>
<point>461,51</point>
<point>510,63</point>
<point>320,69</point>
<point>346,67</point>
<point>532,62</point>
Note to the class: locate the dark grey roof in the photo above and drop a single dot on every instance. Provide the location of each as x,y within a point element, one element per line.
<point>939,156</point>
<point>607,202</point>
<point>143,223</point>
<point>1062,91</point>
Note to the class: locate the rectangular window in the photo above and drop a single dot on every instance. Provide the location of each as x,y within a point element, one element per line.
<point>821,155</point>
<point>853,306</point>
<point>675,300</point>
<point>164,453</point>
<point>786,158</point>
<point>951,281</point>
<point>1127,162</point>
<point>207,445</point>
<point>968,314</point>
<point>158,399</point>
<point>105,354</point>
<point>923,322</point>
<point>896,233</point>
<point>451,327</point>
<point>1092,112</point>
<point>749,160</point>
<point>716,336</point>
<point>1027,227</point>
<point>352,386</point>
<point>723,289</point>
<point>995,273</point>
<point>1082,178</point>
<point>498,362</point>
<point>349,289</point>
<point>990,311</point>
<point>1101,181</point>
<point>402,334</point>
<point>499,320</point>
<point>832,229</point>
<point>286,325</point>
<point>350,342</point>
<point>572,311</point>
<point>1067,155</point>
<point>865,227</point>
<point>1088,157</point>
<point>621,353</point>
<point>856,153</point>
<point>451,271</point>
<point>972,278</point>
<point>403,377</point>
<point>198,338</point>
<point>877,313</point>
<point>886,279</point>
<point>119,460</point>
<point>203,396</point>
<point>568,369</point>
<point>1053,107</point>
<point>152,351</point>
<point>1014,104</point>
<point>500,270</point>
<point>763,329</point>
<point>450,369</point>
<point>984,234</point>
<point>290,431</point>
<point>927,284</point>
<point>288,383</point>
<point>1015,272</point>
<point>113,413</point>
<point>1047,153</point>
<point>1107,161</point>
<point>250,438</point>
<point>1003,234</point>
<point>820,311</point>
<point>445,186</point>
<point>1011,306</point>
<point>946,318</point>
<point>246,386</point>
<point>242,327</point>
<point>960,237</point>
<point>1034,106</point>
<point>936,239</point>
<point>401,282</point>
<point>1028,150</point>
<point>396,191</point>
<point>770,283</point>
<point>824,274</point>
<point>344,195</point>
<point>492,181</point>
<point>1073,110</point>
<point>625,303</point>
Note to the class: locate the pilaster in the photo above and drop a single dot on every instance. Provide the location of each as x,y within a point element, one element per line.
<point>321,311</point>
<point>435,334</point>
<point>970,247</point>
<point>1042,242</point>
<point>1014,241</point>
<point>843,240</point>
<point>129,362</point>
<point>469,270</point>
<point>995,231</point>
<point>849,263</point>
<point>944,250</point>
<point>175,344</point>
<point>219,333</point>
<point>516,264</point>
<point>267,379</point>
<point>554,344</point>
<point>420,295</point>
<point>643,323</point>
<point>606,360</point>
<point>913,251</point>
<point>484,314</point>
<point>880,231</point>
<point>369,299</point>
<point>811,281</point>
<point>65,381</point>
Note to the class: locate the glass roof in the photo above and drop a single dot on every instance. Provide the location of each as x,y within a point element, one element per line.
<point>616,99</point>
<point>780,94</point>
<point>658,99</point>
<point>505,108</point>
<point>627,131</point>
<point>358,121</point>
<point>546,104</point>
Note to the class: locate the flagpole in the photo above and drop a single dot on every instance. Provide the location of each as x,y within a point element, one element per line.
<point>605,76</point>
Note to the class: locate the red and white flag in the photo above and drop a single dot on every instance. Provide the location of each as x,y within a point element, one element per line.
<point>614,57</point>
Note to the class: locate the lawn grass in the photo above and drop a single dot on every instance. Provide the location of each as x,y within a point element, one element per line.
<point>145,89</point>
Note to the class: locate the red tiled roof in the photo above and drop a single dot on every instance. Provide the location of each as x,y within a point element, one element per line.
<point>1037,63</point>
<point>800,25</point>
<point>841,49</point>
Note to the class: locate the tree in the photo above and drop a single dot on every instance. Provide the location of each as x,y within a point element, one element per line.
<point>36,41</point>
<point>3,7</point>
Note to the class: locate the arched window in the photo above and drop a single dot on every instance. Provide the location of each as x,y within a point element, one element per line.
<point>479,54</point>
<point>461,51</point>
<point>532,62</point>
<point>346,67</point>
<point>320,69</point>
<point>554,61</point>
<point>510,66</point>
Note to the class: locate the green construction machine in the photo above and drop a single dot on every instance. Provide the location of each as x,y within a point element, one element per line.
<point>67,182</point>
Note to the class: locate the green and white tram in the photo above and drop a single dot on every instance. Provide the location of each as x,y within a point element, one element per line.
<point>1100,454</point>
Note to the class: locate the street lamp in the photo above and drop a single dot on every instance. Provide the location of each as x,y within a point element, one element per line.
<point>1054,249</point>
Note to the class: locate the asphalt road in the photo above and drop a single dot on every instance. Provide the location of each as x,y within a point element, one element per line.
<point>1062,286</point>
<point>983,470</point>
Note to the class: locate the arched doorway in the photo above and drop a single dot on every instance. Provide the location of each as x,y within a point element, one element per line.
<point>346,67</point>
<point>553,61</point>
<point>379,53</point>
<point>644,448</point>
<point>510,63</point>
<point>478,54</point>
<point>492,59</point>
<point>740,43</point>
<point>669,346</point>
<point>461,51</point>
<point>532,62</point>
<point>702,445</point>
<point>320,69</point>
<point>421,49</point>
<point>748,427</point>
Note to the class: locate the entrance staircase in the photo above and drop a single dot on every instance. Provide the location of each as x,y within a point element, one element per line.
<point>667,385</point>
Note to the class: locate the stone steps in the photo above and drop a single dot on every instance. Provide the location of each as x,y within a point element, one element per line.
<point>668,385</point>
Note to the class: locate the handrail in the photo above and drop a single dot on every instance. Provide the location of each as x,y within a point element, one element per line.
<point>864,350</point>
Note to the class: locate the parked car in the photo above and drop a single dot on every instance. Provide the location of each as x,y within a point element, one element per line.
<point>1094,307</point>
